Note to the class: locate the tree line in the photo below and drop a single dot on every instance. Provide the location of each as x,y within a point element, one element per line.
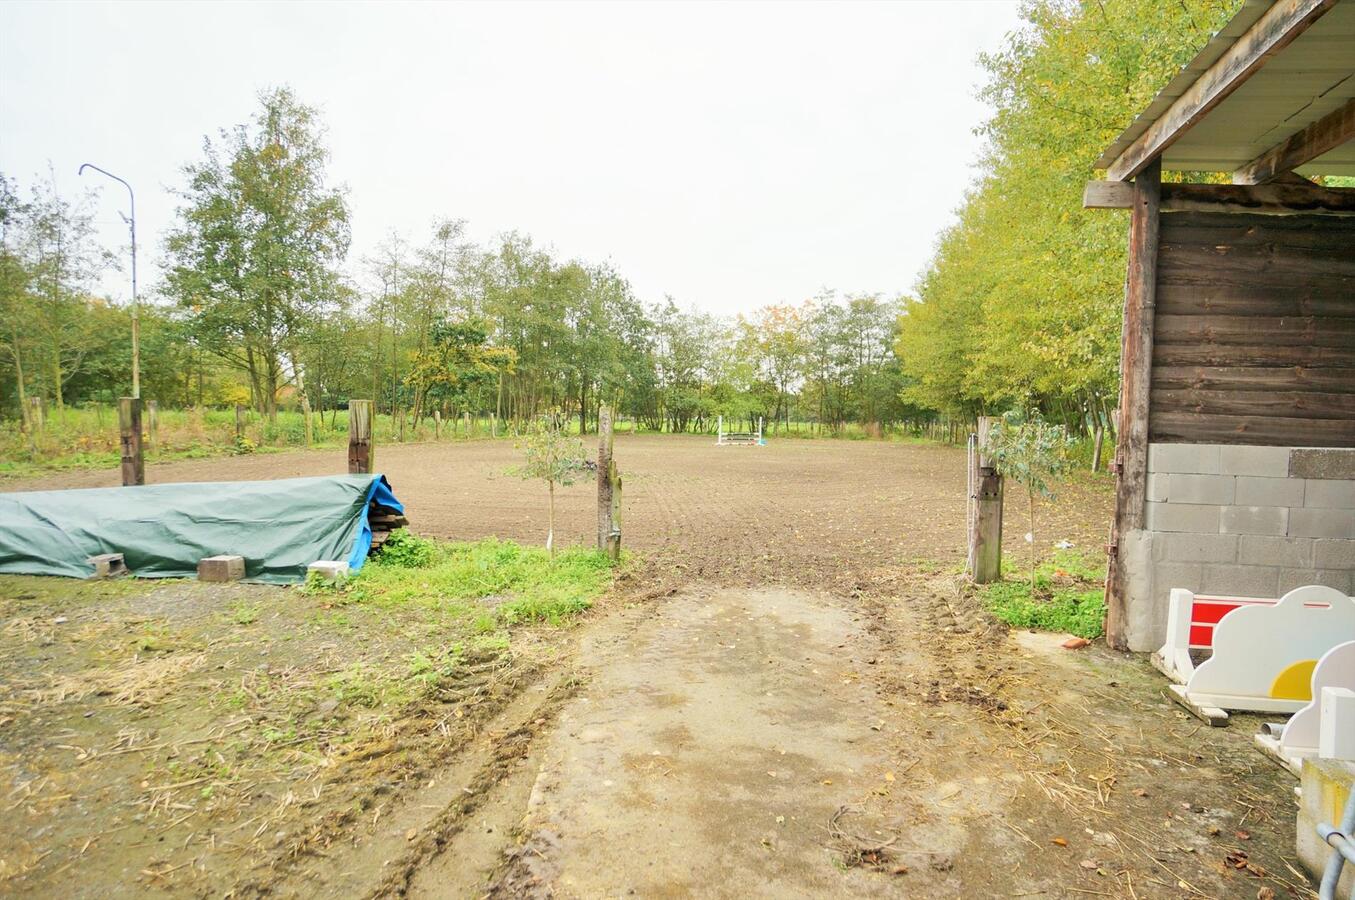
<point>1020,306</point>
<point>253,305</point>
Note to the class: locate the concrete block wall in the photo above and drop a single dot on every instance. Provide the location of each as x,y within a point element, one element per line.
<point>1247,521</point>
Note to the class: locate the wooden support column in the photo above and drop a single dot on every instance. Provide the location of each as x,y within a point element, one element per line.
<point>129,424</point>
<point>609,489</point>
<point>361,453</point>
<point>985,536</point>
<point>1136,369</point>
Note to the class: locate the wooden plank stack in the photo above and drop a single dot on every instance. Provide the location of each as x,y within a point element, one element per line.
<point>383,520</point>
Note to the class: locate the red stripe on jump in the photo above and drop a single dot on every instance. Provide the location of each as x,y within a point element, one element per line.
<point>1201,637</point>
<point>1208,612</point>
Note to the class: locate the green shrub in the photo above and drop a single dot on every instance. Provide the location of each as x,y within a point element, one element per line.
<point>408,551</point>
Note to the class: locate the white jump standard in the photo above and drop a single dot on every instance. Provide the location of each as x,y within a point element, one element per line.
<point>744,438</point>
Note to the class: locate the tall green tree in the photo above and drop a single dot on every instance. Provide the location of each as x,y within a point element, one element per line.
<point>252,259</point>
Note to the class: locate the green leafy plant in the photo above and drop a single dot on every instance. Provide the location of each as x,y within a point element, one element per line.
<point>405,549</point>
<point>554,457</point>
<point>1033,452</point>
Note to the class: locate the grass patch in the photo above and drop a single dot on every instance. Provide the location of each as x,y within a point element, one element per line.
<point>1068,597</point>
<point>489,582</point>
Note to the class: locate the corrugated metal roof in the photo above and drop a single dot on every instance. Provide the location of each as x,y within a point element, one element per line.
<point>1309,78</point>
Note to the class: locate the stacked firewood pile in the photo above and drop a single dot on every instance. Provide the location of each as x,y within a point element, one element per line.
<point>383,520</point>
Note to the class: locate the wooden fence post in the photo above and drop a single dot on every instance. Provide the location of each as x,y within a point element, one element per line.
<point>985,536</point>
<point>437,424</point>
<point>153,420</point>
<point>129,424</point>
<point>493,425</point>
<point>239,422</point>
<point>609,489</point>
<point>469,422</point>
<point>361,453</point>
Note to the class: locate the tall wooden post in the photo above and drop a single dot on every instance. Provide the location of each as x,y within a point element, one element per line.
<point>239,421</point>
<point>129,424</point>
<point>153,420</point>
<point>469,423</point>
<point>609,489</point>
<point>1136,370</point>
<point>985,535</point>
<point>361,453</point>
<point>437,424</point>
<point>494,425</point>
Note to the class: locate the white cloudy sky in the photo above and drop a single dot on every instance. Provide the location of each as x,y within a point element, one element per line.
<point>730,155</point>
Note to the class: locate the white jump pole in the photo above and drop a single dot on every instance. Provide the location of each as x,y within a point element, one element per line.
<point>720,434</point>
<point>759,431</point>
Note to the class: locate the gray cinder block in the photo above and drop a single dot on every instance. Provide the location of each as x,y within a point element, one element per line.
<point>108,565</point>
<point>1198,459</point>
<point>1183,517</point>
<point>1254,520</point>
<point>221,568</point>
<point>1266,462</point>
<point>1254,490</point>
<point>329,570</point>
<point>1217,489</point>
<point>1296,578</point>
<point>1320,494</point>
<point>1332,462</point>
<point>1196,548</point>
<point>1241,581</point>
<point>1323,523</point>
<point>1268,550</point>
<point>1334,554</point>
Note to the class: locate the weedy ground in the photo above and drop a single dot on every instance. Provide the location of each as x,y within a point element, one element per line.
<point>154,729</point>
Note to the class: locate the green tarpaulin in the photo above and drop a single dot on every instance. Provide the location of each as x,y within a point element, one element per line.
<point>279,527</point>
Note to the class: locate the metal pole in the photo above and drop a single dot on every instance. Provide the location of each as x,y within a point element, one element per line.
<point>136,323</point>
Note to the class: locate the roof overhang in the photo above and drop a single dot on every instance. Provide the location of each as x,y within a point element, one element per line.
<point>1272,92</point>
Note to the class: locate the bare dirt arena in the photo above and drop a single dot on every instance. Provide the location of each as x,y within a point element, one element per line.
<point>789,693</point>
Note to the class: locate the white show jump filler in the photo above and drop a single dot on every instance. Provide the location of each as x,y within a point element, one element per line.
<point>1264,656</point>
<point>743,438</point>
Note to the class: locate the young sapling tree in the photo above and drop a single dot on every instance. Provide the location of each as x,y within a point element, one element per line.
<point>555,458</point>
<point>1033,452</point>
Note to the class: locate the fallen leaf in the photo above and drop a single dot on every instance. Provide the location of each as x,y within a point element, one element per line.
<point>1242,835</point>
<point>889,776</point>
<point>1140,792</point>
<point>411,834</point>
<point>1075,643</point>
<point>903,870</point>
<point>1090,864</point>
<point>1062,842</point>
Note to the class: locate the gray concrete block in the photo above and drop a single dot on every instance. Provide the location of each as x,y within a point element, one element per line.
<point>1216,489</point>
<point>1322,523</point>
<point>1333,462</point>
<point>221,568</point>
<point>108,565</point>
<point>1183,517</point>
<point>1256,491</point>
<point>1265,462</point>
<point>1268,550</point>
<point>1157,487</point>
<point>1254,520</point>
<point>1319,494</point>
<point>328,570</point>
<point>1334,554</point>
<point>1176,575</point>
<point>1294,578</point>
<point>1198,459</point>
<point>1195,548</point>
<point>1241,581</point>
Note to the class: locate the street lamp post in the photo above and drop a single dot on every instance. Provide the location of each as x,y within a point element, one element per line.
<point>136,324</point>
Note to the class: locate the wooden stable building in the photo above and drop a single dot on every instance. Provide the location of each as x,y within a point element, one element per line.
<point>1236,449</point>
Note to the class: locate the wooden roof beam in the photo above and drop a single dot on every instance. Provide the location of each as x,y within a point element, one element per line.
<point>1276,198</point>
<point>1276,28</point>
<point>1327,133</point>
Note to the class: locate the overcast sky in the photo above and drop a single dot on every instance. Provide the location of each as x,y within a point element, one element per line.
<point>729,155</point>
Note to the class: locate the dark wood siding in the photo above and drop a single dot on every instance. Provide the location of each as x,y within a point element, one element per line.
<point>1254,331</point>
